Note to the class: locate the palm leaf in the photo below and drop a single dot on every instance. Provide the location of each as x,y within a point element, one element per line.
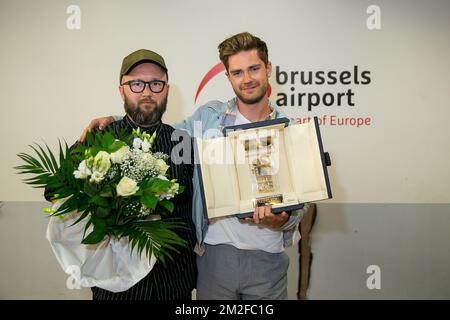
<point>43,163</point>
<point>47,173</point>
<point>157,237</point>
<point>81,217</point>
<point>53,160</point>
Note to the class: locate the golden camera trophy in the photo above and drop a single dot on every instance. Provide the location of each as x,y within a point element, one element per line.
<point>259,154</point>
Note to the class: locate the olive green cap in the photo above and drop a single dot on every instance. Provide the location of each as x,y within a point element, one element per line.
<point>141,56</point>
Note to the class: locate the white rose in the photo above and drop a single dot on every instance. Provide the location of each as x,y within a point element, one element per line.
<point>162,166</point>
<point>137,143</point>
<point>126,187</point>
<point>119,155</point>
<point>102,162</point>
<point>145,145</point>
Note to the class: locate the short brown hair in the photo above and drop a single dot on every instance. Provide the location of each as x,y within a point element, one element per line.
<point>242,42</point>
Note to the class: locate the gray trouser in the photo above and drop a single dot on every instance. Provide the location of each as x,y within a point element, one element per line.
<point>228,273</point>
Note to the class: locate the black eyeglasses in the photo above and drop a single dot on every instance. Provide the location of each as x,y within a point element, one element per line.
<point>138,86</point>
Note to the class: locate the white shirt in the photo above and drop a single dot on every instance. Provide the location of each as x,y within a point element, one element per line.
<point>230,230</point>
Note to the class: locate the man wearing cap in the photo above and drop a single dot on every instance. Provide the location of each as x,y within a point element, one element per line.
<point>239,260</point>
<point>144,89</point>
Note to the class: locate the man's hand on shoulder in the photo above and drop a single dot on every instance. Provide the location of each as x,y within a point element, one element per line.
<point>97,123</point>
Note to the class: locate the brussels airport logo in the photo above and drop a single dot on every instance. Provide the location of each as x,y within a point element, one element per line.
<point>312,91</point>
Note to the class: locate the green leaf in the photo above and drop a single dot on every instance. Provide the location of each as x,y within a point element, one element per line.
<point>46,173</point>
<point>100,201</point>
<point>81,217</point>
<point>41,157</point>
<point>102,212</point>
<point>90,138</point>
<point>79,149</point>
<point>52,157</point>
<point>111,221</point>
<point>95,150</point>
<point>98,222</point>
<point>90,189</point>
<point>88,224</point>
<point>157,237</point>
<point>30,160</point>
<point>68,206</point>
<point>156,185</point>
<point>107,140</point>
<point>106,191</point>
<point>149,200</point>
<point>168,205</point>
<point>48,162</point>
<point>95,236</point>
<point>116,145</point>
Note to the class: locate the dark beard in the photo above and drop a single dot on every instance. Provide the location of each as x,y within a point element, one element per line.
<point>145,119</point>
<point>257,99</point>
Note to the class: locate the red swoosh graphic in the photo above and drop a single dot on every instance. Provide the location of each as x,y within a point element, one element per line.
<point>211,74</point>
<point>218,68</point>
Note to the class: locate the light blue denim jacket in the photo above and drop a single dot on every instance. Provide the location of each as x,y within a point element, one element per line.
<point>213,115</point>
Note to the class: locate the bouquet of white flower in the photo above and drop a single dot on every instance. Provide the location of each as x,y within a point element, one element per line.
<point>118,183</point>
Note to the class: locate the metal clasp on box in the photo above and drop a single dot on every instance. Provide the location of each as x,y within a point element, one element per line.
<point>268,201</point>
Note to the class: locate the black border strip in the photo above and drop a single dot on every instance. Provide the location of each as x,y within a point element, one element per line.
<point>322,156</point>
<point>274,210</point>
<point>253,125</point>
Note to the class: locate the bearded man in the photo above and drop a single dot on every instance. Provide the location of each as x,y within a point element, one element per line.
<point>144,89</point>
